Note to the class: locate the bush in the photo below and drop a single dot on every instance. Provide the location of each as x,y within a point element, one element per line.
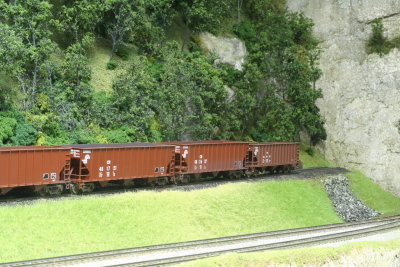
<point>25,135</point>
<point>123,52</point>
<point>310,151</point>
<point>195,44</point>
<point>246,32</point>
<point>112,65</point>
<point>378,43</point>
<point>7,128</point>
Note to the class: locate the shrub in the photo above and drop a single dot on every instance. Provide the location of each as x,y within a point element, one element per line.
<point>112,65</point>
<point>246,32</point>
<point>123,52</point>
<point>378,43</point>
<point>310,151</point>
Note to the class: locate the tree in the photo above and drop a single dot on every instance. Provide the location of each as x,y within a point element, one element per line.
<point>161,12</point>
<point>80,18</point>
<point>191,97</point>
<point>133,95</point>
<point>239,9</point>
<point>29,37</point>
<point>122,17</point>
<point>276,99</point>
<point>202,15</point>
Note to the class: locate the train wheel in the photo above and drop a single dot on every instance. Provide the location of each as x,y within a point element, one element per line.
<point>248,173</point>
<point>88,187</point>
<point>174,180</point>
<point>215,174</point>
<point>75,189</point>
<point>181,179</point>
<point>56,190</point>
<point>195,177</point>
<point>51,190</point>
<point>43,192</point>
<point>185,179</point>
<point>235,174</point>
<point>162,181</point>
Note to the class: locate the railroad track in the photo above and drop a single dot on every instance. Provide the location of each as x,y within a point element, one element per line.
<point>206,183</point>
<point>186,251</point>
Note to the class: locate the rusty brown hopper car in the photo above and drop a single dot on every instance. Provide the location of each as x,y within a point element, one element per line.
<point>111,162</point>
<point>198,157</point>
<point>31,166</point>
<point>273,156</point>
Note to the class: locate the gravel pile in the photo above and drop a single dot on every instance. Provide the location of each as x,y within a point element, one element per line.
<point>347,206</point>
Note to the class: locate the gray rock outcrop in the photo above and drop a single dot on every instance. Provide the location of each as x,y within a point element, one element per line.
<point>347,206</point>
<point>361,102</point>
<point>228,50</point>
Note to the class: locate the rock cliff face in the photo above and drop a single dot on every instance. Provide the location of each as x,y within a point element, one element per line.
<point>361,103</point>
<point>228,50</point>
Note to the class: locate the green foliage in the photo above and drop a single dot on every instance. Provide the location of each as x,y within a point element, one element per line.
<point>75,69</point>
<point>28,36</point>
<point>161,12</point>
<point>167,91</point>
<point>229,75</point>
<point>121,17</point>
<point>121,135</point>
<point>123,52</point>
<point>7,128</point>
<point>195,44</point>
<point>25,135</point>
<point>310,151</point>
<point>192,96</point>
<point>278,99</point>
<point>112,65</point>
<point>246,32</point>
<point>204,15</point>
<point>134,101</point>
<point>15,130</point>
<point>378,43</point>
<point>78,19</point>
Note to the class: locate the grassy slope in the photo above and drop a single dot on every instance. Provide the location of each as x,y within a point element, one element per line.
<point>372,194</point>
<point>316,160</point>
<point>51,228</point>
<point>362,186</point>
<point>98,56</point>
<point>296,257</point>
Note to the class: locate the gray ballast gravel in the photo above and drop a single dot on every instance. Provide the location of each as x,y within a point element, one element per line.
<point>347,206</point>
<point>171,253</point>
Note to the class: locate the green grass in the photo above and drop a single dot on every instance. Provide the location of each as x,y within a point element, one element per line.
<point>296,257</point>
<point>316,160</point>
<point>98,56</point>
<point>363,187</point>
<point>51,228</point>
<point>372,194</point>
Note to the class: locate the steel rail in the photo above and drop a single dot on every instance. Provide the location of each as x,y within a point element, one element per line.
<point>280,245</point>
<point>180,245</point>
